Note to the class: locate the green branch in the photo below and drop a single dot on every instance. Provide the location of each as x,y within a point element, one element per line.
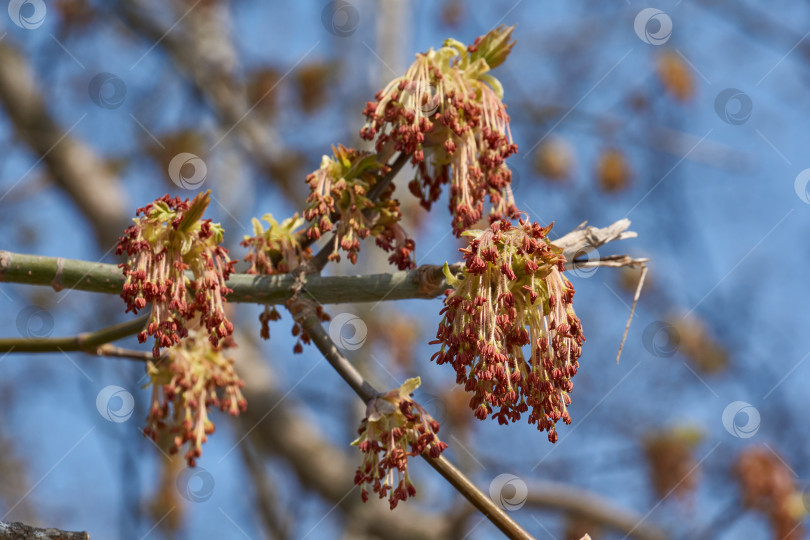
<point>89,342</point>
<point>427,281</point>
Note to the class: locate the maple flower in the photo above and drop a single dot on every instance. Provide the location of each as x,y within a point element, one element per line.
<point>447,113</point>
<point>339,190</point>
<point>192,376</point>
<point>395,428</point>
<point>168,239</point>
<point>277,250</point>
<point>512,294</point>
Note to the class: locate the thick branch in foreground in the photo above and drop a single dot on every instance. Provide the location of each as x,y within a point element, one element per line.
<point>20,531</point>
<point>427,281</point>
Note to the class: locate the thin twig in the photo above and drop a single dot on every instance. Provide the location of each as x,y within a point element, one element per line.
<point>120,352</point>
<point>611,261</point>
<point>632,309</point>
<point>319,261</point>
<point>381,186</point>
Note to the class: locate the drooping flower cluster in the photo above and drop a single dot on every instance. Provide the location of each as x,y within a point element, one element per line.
<point>395,428</point>
<point>277,250</point>
<point>167,240</point>
<point>510,295</point>
<point>193,376</point>
<point>446,113</point>
<point>340,190</point>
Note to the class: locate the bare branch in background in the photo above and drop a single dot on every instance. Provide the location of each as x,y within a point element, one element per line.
<point>582,503</point>
<point>73,165</point>
<point>272,422</point>
<point>208,59</point>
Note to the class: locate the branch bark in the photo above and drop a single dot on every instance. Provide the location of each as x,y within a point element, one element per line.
<point>427,281</point>
<point>20,531</point>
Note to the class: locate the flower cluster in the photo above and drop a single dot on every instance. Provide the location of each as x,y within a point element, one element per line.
<point>394,429</point>
<point>512,294</point>
<point>446,113</point>
<point>167,240</point>
<point>193,376</point>
<point>277,250</point>
<point>340,191</point>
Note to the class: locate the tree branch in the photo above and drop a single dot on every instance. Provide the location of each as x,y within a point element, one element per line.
<point>585,239</point>
<point>427,281</point>
<point>319,261</point>
<point>213,78</point>
<point>89,342</point>
<point>304,312</point>
<point>319,465</point>
<point>73,165</point>
<point>576,501</point>
<point>20,531</point>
